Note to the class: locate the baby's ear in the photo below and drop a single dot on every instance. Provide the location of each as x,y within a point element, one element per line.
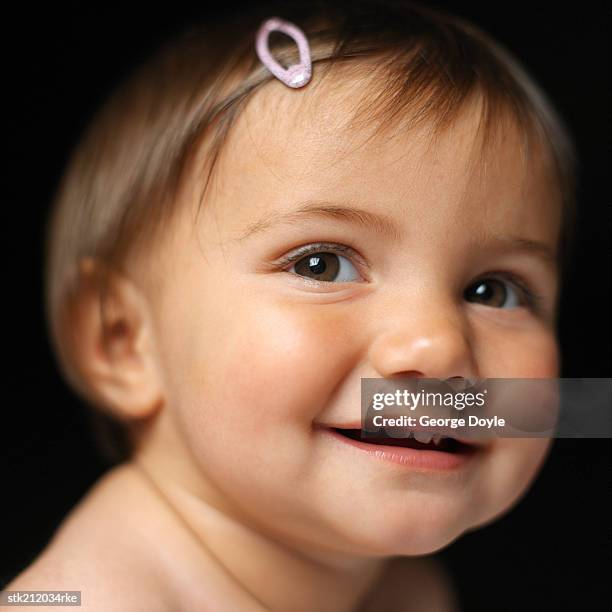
<point>112,344</point>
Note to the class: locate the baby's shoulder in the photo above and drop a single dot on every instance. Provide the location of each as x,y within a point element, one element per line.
<point>102,587</point>
<point>97,550</point>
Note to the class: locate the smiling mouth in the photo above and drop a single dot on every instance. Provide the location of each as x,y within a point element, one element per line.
<point>422,441</point>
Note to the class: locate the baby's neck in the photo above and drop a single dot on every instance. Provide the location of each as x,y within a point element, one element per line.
<point>272,575</point>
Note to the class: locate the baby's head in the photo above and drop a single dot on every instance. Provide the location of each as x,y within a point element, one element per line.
<point>228,257</point>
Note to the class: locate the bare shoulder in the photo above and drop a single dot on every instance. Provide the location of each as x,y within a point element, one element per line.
<point>413,584</point>
<point>101,588</point>
<point>98,550</point>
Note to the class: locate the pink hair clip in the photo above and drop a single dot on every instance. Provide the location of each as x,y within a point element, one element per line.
<point>296,75</point>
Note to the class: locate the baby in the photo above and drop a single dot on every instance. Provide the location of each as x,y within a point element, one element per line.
<point>231,252</point>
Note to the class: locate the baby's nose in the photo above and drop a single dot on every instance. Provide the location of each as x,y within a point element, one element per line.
<point>428,342</point>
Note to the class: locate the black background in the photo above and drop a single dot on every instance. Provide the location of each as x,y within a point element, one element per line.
<point>553,550</point>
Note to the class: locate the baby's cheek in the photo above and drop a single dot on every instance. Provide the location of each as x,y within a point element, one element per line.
<point>530,352</point>
<point>290,358</point>
<point>513,463</point>
<point>245,363</point>
<point>511,468</point>
<point>256,377</point>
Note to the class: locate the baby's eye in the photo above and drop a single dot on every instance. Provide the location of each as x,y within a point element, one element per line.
<point>498,293</point>
<point>326,267</point>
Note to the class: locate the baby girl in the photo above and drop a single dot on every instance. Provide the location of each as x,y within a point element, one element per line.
<point>261,216</point>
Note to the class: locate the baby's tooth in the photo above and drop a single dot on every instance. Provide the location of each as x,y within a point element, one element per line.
<point>423,436</point>
<point>436,439</point>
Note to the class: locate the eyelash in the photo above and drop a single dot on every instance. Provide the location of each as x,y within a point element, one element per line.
<point>322,247</point>
<point>533,299</point>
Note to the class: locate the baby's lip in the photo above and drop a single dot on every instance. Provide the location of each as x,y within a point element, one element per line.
<point>444,432</point>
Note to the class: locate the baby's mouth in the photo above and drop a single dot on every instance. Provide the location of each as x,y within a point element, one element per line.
<point>419,440</point>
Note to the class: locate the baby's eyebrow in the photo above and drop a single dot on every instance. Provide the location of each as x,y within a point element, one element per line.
<point>376,222</point>
<point>528,246</point>
<point>386,226</point>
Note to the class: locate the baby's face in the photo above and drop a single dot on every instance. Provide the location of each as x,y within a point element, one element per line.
<point>263,343</point>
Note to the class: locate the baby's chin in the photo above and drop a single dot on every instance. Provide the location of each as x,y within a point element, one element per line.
<point>375,509</point>
<point>381,528</point>
<point>418,525</point>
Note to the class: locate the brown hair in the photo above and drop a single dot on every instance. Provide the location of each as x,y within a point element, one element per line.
<point>122,181</point>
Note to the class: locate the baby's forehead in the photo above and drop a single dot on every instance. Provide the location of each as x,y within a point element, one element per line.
<point>307,126</point>
<point>292,145</point>
<point>313,127</point>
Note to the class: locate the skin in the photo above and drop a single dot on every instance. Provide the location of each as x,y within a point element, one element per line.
<point>224,361</point>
